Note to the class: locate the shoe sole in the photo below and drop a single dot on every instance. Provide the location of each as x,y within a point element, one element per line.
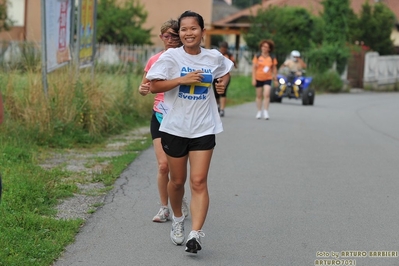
<point>192,246</point>
<point>160,221</point>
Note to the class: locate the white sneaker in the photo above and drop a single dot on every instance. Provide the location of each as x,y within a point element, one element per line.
<point>266,114</point>
<point>259,115</point>
<point>184,207</point>
<point>177,232</point>
<point>193,243</point>
<point>162,215</point>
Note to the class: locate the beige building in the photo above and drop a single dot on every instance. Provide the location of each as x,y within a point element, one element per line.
<point>160,10</point>
<point>29,12</point>
<point>27,15</point>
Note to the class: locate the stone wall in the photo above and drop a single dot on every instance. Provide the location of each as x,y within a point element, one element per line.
<point>381,72</point>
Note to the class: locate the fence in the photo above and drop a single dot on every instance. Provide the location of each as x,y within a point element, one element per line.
<point>381,72</point>
<point>16,54</point>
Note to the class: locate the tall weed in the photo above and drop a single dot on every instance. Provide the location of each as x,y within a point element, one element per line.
<point>76,108</point>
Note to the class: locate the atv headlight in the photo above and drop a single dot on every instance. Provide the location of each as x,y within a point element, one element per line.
<point>281,81</point>
<point>298,82</point>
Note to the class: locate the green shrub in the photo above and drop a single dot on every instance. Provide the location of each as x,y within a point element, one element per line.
<point>328,81</point>
<point>321,59</point>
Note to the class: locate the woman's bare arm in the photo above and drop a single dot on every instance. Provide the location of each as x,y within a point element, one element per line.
<point>161,85</point>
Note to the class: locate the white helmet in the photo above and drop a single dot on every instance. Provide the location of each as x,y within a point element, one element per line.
<point>295,53</point>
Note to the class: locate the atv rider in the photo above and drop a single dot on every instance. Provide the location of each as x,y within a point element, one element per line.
<point>293,64</point>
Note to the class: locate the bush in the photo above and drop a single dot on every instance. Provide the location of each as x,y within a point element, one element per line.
<point>322,58</point>
<point>328,81</point>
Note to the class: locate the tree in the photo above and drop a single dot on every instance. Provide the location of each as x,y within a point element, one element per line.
<point>354,31</point>
<point>291,28</point>
<point>375,27</point>
<point>5,21</point>
<point>336,16</point>
<point>241,4</point>
<point>122,24</point>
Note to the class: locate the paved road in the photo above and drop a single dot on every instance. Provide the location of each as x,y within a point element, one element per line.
<point>311,179</point>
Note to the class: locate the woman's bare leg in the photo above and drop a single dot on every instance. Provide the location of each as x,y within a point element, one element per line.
<point>178,176</point>
<point>199,167</point>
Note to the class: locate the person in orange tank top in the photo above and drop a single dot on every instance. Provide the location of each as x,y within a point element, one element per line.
<point>264,71</point>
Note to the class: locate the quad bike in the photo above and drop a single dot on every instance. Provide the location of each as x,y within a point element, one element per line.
<point>293,86</point>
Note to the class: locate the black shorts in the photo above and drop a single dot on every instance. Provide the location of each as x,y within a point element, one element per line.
<point>263,83</point>
<point>175,146</point>
<point>154,127</point>
<point>217,95</point>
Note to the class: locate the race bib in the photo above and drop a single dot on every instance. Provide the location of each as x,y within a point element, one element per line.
<point>163,108</point>
<point>266,69</point>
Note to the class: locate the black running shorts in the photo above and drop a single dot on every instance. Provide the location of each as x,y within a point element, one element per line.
<point>263,83</point>
<point>175,146</point>
<point>154,127</point>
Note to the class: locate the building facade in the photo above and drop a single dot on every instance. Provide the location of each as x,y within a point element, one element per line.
<point>27,13</point>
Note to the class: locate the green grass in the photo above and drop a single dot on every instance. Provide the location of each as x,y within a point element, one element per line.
<point>29,232</point>
<point>240,90</point>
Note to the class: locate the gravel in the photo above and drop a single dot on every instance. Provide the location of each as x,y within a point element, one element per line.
<point>91,194</point>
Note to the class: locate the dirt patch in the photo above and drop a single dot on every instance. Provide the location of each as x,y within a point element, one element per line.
<point>86,164</point>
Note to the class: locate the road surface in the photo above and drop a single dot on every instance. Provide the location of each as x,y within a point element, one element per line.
<point>314,184</point>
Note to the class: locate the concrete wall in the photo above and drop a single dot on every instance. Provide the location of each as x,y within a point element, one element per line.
<point>33,21</point>
<point>381,72</point>
<point>31,30</point>
<point>15,34</point>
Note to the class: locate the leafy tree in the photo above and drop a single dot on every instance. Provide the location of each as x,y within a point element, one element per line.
<point>336,16</point>
<point>354,31</point>
<point>375,27</point>
<point>122,23</point>
<point>291,28</point>
<point>245,3</point>
<point>5,21</point>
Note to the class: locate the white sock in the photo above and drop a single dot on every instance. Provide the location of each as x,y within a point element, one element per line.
<point>178,219</point>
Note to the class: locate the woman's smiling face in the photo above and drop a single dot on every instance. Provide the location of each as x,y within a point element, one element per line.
<point>190,32</point>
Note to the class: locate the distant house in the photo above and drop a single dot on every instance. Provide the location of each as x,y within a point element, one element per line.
<point>240,21</point>
<point>220,10</point>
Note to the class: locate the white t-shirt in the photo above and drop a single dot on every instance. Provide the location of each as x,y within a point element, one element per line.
<point>190,111</point>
